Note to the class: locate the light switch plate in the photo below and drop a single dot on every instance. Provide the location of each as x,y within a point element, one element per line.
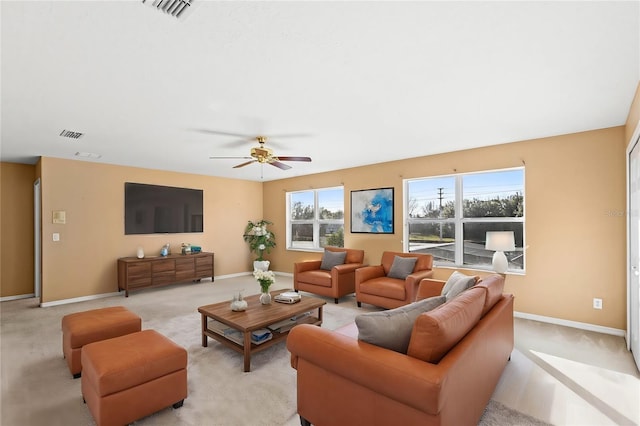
<point>56,236</point>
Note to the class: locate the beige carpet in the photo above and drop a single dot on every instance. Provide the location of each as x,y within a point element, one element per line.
<point>37,388</point>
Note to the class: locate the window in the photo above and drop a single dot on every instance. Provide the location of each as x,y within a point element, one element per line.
<point>315,218</point>
<point>449,216</point>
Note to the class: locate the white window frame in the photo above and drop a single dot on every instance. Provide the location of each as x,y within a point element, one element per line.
<point>459,221</point>
<point>314,246</point>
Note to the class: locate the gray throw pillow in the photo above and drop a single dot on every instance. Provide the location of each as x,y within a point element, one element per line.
<point>401,267</point>
<point>332,258</point>
<point>456,284</point>
<point>392,328</point>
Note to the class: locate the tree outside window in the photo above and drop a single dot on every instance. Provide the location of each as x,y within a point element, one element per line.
<point>315,218</point>
<point>449,216</point>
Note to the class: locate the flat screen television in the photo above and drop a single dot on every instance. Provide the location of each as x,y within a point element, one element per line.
<point>156,209</point>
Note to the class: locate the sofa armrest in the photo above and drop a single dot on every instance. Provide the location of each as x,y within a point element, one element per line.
<point>347,267</point>
<point>369,272</point>
<point>412,281</point>
<point>397,376</point>
<point>428,287</point>
<point>309,265</point>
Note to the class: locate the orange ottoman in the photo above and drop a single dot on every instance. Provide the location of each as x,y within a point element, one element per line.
<point>81,328</point>
<point>132,376</point>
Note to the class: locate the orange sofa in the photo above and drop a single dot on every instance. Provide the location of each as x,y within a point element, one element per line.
<point>337,282</point>
<point>456,355</point>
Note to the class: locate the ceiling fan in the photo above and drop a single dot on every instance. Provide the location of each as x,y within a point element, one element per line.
<point>263,155</point>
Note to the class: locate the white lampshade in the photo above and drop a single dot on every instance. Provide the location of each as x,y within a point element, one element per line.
<point>500,241</point>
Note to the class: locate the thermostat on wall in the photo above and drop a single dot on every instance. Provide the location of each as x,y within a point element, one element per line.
<point>59,216</point>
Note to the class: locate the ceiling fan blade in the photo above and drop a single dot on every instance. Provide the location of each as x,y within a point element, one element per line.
<point>229,158</point>
<point>244,164</point>
<point>280,165</point>
<point>289,135</point>
<point>294,158</point>
<point>223,133</point>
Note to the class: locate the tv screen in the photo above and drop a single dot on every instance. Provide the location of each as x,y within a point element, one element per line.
<point>155,209</point>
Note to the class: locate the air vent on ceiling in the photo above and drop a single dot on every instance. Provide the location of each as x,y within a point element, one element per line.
<point>71,134</point>
<point>88,155</point>
<point>171,7</point>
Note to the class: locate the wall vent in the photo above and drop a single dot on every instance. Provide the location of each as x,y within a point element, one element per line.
<point>71,134</point>
<point>171,7</point>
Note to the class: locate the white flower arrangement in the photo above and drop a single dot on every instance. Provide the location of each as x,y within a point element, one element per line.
<point>265,278</point>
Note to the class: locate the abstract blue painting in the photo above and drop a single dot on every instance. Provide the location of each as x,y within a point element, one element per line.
<point>372,211</point>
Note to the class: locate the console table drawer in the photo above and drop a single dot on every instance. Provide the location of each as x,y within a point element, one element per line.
<point>139,274</point>
<point>204,266</point>
<point>185,269</point>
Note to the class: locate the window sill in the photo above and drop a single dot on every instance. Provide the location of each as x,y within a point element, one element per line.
<point>472,268</point>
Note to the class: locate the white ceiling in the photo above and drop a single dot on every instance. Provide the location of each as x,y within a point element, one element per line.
<point>358,82</point>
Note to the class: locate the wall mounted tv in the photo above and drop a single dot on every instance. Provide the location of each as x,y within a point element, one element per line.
<point>155,209</point>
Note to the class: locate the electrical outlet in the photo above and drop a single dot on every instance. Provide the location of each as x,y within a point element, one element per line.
<point>56,236</point>
<point>597,303</point>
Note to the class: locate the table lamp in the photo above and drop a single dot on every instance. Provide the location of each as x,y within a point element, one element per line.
<point>500,241</point>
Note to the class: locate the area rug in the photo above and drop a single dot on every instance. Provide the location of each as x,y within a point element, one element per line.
<point>38,390</point>
<point>497,414</point>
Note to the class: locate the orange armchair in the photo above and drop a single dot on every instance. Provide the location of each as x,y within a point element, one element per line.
<point>337,282</point>
<point>374,286</point>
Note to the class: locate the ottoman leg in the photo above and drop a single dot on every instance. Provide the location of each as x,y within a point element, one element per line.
<point>178,404</point>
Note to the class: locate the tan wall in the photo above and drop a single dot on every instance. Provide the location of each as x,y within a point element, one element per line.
<point>83,262</point>
<point>16,229</point>
<point>575,235</point>
<point>634,116</point>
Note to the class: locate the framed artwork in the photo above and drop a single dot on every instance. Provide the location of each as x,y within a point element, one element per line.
<point>372,211</point>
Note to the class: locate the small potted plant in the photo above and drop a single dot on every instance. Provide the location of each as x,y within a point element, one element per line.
<point>261,240</point>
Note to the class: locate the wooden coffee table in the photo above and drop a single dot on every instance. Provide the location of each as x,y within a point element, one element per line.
<point>256,317</point>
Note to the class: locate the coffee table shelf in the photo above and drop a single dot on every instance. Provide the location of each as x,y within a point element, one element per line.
<point>255,317</point>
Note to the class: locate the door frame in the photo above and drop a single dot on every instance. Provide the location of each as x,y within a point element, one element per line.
<point>37,238</point>
<point>633,143</point>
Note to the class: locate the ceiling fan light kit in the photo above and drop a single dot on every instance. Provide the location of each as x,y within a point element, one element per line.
<point>263,155</point>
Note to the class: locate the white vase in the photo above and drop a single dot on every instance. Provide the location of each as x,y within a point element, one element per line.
<point>261,265</point>
<point>265,298</point>
<point>140,253</point>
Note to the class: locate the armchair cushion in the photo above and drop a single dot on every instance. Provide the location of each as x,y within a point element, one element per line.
<point>456,284</point>
<point>392,328</point>
<point>401,267</point>
<point>332,258</point>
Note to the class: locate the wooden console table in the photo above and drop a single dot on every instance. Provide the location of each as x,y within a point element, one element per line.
<point>136,274</point>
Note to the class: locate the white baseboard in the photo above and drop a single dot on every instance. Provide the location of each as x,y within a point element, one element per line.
<point>100,296</point>
<point>574,324</point>
<point>79,299</point>
<point>19,296</point>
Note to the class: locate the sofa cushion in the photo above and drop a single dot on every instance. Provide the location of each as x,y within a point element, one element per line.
<point>401,267</point>
<point>316,277</point>
<point>391,329</point>
<point>456,284</point>
<point>332,258</point>
<point>436,332</point>
<point>389,288</point>
<point>494,284</point>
